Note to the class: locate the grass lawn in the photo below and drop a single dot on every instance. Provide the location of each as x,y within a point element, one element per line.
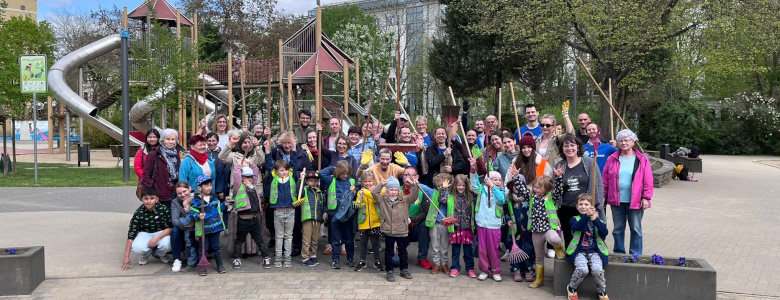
<point>65,175</point>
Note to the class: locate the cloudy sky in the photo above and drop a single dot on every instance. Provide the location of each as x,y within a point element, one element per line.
<point>46,8</point>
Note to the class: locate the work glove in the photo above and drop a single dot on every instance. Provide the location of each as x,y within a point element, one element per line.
<point>358,205</point>
<point>366,157</point>
<point>565,108</point>
<point>299,202</point>
<point>401,159</point>
<point>476,152</point>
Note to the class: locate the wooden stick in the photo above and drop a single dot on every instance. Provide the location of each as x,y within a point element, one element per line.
<point>230,91</point>
<point>357,79</point>
<point>593,175</point>
<point>370,107</point>
<point>611,121</point>
<point>499,108</point>
<point>268,81</point>
<point>582,63</point>
<point>290,99</point>
<point>243,95</point>
<point>300,190</point>
<point>318,105</point>
<point>514,104</point>
<point>346,87</point>
<point>452,96</point>
<point>383,99</point>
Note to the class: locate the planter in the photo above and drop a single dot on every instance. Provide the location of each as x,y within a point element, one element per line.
<point>22,272</point>
<point>643,281</point>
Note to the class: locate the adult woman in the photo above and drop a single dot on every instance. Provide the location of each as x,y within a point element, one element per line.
<point>342,153</point>
<point>313,155</point>
<point>152,141</point>
<point>220,129</point>
<point>529,163</point>
<point>441,158</point>
<point>547,143</point>
<point>628,188</point>
<point>222,177</point>
<point>161,169</point>
<point>242,150</point>
<point>575,175</point>
<point>196,163</point>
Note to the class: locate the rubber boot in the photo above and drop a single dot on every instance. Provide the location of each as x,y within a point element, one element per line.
<point>539,277</point>
<point>559,252</point>
<point>220,267</point>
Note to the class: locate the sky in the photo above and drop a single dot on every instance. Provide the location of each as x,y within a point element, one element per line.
<point>46,8</point>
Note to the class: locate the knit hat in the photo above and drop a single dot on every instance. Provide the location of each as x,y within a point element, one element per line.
<point>528,140</point>
<point>247,172</point>
<point>494,174</point>
<point>392,182</point>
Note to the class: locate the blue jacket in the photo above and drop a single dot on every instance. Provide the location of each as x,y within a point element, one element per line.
<point>189,170</point>
<point>222,179</point>
<point>213,211</point>
<point>605,150</point>
<point>297,163</point>
<point>582,226</point>
<point>342,186</point>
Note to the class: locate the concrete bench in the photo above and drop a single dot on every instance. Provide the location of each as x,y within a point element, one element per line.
<point>693,164</point>
<point>116,151</point>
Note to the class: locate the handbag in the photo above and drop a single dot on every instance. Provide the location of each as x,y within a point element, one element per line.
<point>139,189</point>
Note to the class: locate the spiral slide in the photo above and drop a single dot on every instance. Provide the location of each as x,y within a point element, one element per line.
<point>88,112</point>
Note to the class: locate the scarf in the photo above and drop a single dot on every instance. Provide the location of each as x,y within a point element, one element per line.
<point>313,150</point>
<point>237,146</point>
<point>171,159</point>
<point>200,158</point>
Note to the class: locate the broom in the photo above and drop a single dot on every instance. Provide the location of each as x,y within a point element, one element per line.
<point>447,221</point>
<point>203,264</point>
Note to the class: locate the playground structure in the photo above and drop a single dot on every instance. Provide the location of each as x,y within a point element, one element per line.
<point>305,62</point>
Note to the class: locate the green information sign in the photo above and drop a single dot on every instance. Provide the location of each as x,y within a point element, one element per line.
<point>32,74</point>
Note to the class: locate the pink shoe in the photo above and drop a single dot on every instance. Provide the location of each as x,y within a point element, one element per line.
<point>453,273</point>
<point>472,274</point>
<point>529,277</point>
<point>518,277</point>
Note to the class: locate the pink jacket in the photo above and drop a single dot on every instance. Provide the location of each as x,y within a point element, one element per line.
<point>641,187</point>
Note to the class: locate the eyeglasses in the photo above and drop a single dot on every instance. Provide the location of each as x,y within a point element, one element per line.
<point>546,125</point>
<point>626,141</point>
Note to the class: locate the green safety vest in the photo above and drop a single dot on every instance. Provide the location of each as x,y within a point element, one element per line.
<point>242,201</point>
<point>332,202</point>
<point>199,223</point>
<point>552,213</point>
<point>306,208</point>
<point>363,213</point>
<point>430,220</point>
<point>575,241</point>
<point>499,208</point>
<point>275,189</point>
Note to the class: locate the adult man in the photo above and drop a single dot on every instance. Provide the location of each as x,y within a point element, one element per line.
<point>417,213</point>
<point>304,120</point>
<point>583,120</point>
<point>150,230</point>
<point>491,123</point>
<point>479,126</point>
<point>400,120</point>
<point>329,141</point>
<point>385,168</point>
<point>594,142</point>
<point>532,116</point>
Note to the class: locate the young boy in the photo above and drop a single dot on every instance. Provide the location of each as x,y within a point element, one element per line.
<point>149,231</point>
<point>440,234</point>
<point>281,194</point>
<point>312,215</point>
<point>587,247</point>
<point>249,209</point>
<point>395,216</point>
<point>211,216</point>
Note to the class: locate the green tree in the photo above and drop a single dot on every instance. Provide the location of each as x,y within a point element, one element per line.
<point>20,36</point>
<point>211,46</point>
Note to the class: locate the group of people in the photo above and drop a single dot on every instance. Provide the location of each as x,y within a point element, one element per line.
<point>398,183</point>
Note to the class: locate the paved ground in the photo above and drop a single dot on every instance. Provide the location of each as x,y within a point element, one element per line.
<point>726,219</point>
<point>100,158</point>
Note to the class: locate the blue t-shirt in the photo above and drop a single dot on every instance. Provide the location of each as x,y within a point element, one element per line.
<point>536,132</point>
<point>624,180</point>
<point>605,150</point>
<point>427,140</point>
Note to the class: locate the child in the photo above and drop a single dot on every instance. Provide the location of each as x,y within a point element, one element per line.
<point>368,222</point>
<point>149,230</point>
<point>543,224</point>
<point>282,192</point>
<point>249,209</point>
<point>312,215</point>
<point>463,234</point>
<point>211,216</point>
<point>518,191</point>
<point>183,230</point>
<point>489,215</point>
<point>395,227</point>
<point>341,230</point>
<point>587,247</point>
<point>440,234</point>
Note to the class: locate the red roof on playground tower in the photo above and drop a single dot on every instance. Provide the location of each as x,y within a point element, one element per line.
<point>164,11</point>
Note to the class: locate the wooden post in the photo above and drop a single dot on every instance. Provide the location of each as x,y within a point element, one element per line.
<point>243,94</point>
<point>204,99</point>
<point>398,74</point>
<point>611,120</point>
<point>499,109</point>
<point>281,86</point>
<point>182,115</point>
<point>357,79</point>
<point>268,80</point>
<point>290,99</point>
<point>230,91</point>
<point>514,105</point>
<point>51,125</point>
<point>318,30</point>
<point>346,87</point>
<point>317,101</point>
<point>61,125</point>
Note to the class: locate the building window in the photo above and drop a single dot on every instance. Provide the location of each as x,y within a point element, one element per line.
<point>3,5</point>
<point>23,8</point>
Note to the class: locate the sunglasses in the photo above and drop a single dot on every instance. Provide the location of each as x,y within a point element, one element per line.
<point>546,125</point>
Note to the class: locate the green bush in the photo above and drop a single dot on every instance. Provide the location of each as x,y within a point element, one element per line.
<point>97,139</point>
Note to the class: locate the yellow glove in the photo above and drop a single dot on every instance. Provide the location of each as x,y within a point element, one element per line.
<point>366,157</point>
<point>401,159</point>
<point>299,202</point>
<point>358,205</point>
<point>565,108</point>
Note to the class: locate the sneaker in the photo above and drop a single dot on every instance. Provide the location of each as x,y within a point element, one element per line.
<point>237,263</point>
<point>176,266</point>
<point>529,277</point>
<point>378,266</point>
<point>309,262</point>
<point>425,264</point>
<point>277,264</point>
<point>572,294</point>
<point>350,263</point>
<point>335,265</point>
<point>328,250</point>
<point>221,269</point>
<point>482,276</point>
<point>603,296</point>
<point>143,260</point>
<point>164,259</point>
<point>517,277</point>
<point>472,274</point>
<point>505,256</point>
<point>453,273</point>
<point>390,277</point>
<point>287,264</point>
<point>315,261</point>
<point>266,263</point>
<point>405,274</point>
<point>550,253</point>
<point>189,269</point>
<point>295,252</point>
<point>497,277</point>
<point>343,250</point>
<point>360,266</point>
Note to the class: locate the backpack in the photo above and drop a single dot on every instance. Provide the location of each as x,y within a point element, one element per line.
<point>681,172</point>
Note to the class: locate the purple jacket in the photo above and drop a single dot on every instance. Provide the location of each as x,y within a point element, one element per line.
<point>641,185</point>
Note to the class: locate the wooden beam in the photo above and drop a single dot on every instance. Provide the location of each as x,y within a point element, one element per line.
<point>243,92</point>
<point>290,99</point>
<point>268,78</point>
<point>357,79</point>
<point>51,125</point>
<point>230,91</point>
<point>499,109</point>
<point>346,87</point>
<point>318,29</point>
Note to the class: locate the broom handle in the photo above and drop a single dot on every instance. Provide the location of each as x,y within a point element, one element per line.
<point>593,175</point>
<point>452,96</point>
<point>202,230</point>
<point>300,190</point>
<point>430,200</point>
<point>517,120</point>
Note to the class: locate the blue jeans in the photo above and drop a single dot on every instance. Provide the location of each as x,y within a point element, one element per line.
<point>342,233</point>
<point>420,231</point>
<point>621,214</point>
<point>177,240</point>
<point>212,245</point>
<point>468,257</point>
<point>189,247</point>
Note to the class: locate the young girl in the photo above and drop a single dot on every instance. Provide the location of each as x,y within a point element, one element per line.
<point>463,236</point>
<point>587,247</point>
<point>517,188</point>
<point>489,213</point>
<point>441,207</point>
<point>368,222</point>
<point>543,224</point>
<point>338,184</point>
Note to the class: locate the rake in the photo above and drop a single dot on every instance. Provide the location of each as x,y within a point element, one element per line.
<point>517,255</point>
<point>203,264</point>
